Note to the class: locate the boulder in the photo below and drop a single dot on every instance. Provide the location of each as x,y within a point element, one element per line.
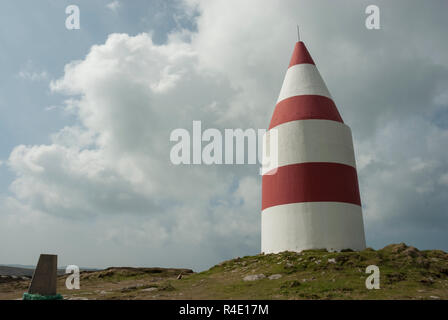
<point>254,277</point>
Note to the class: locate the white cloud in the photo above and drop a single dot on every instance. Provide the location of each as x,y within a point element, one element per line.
<point>132,94</point>
<point>114,5</point>
<point>401,191</point>
<point>444,179</point>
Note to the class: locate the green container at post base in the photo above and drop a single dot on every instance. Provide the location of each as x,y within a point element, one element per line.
<point>32,296</point>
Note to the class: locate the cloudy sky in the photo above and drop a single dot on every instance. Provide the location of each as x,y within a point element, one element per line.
<point>86,117</point>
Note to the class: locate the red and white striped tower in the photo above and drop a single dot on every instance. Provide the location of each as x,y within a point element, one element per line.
<point>312,200</point>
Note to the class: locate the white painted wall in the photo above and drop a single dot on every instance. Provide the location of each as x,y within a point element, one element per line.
<point>312,225</point>
<point>303,79</point>
<point>312,140</point>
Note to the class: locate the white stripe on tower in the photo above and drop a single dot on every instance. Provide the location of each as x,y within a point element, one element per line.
<point>302,141</point>
<point>305,225</point>
<point>310,198</point>
<point>303,79</point>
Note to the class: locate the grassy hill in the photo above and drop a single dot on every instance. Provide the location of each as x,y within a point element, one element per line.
<point>15,271</point>
<point>405,273</point>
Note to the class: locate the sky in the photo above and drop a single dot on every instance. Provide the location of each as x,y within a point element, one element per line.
<point>86,117</point>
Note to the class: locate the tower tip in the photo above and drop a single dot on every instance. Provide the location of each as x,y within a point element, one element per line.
<point>300,55</point>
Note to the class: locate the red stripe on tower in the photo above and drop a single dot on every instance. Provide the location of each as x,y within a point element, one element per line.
<point>303,182</point>
<point>304,107</point>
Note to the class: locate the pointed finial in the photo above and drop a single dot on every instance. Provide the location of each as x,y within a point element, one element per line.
<point>298,33</point>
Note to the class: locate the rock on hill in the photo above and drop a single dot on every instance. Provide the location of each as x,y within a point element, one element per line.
<point>405,273</point>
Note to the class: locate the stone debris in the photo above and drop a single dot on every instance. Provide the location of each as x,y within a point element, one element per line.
<point>428,280</point>
<point>6,278</point>
<point>306,280</point>
<point>332,260</point>
<point>275,276</point>
<point>412,252</point>
<point>254,277</point>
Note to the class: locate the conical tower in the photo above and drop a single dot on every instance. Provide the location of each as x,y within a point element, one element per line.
<point>310,196</point>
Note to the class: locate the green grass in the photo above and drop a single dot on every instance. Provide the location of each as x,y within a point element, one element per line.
<point>309,275</point>
<point>405,273</point>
